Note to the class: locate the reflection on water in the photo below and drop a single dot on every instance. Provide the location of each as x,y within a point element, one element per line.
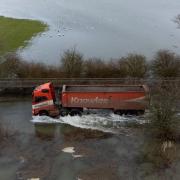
<point>66,132</point>
<point>98,28</point>
<point>45,131</point>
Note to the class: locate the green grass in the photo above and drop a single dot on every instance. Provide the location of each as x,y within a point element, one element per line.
<point>15,33</point>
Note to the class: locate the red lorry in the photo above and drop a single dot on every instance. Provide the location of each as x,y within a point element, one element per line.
<point>73,99</point>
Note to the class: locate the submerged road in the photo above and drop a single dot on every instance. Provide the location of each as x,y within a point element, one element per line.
<point>37,150</point>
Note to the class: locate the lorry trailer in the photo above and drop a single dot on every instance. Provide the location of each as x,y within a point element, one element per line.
<point>74,99</point>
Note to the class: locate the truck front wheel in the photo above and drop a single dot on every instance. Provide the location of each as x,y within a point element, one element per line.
<point>43,113</point>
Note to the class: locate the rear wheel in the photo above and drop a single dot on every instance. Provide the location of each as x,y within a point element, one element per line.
<point>124,112</point>
<point>64,112</point>
<point>118,112</point>
<point>140,112</point>
<point>75,112</point>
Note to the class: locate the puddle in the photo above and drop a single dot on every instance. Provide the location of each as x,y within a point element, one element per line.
<point>77,156</point>
<point>71,150</point>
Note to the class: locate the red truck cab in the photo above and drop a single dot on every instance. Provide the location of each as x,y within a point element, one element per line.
<point>43,101</point>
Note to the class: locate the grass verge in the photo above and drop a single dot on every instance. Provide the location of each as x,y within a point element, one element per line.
<point>15,33</point>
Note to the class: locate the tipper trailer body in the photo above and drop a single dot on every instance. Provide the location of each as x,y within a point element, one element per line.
<point>73,99</point>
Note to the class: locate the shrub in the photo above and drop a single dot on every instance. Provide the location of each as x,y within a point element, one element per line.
<point>116,68</point>
<point>162,131</point>
<point>38,70</point>
<point>95,68</point>
<point>166,64</point>
<point>32,70</point>
<point>10,67</point>
<point>164,121</point>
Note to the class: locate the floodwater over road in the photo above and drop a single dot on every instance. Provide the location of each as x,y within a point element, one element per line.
<point>94,146</point>
<point>98,28</point>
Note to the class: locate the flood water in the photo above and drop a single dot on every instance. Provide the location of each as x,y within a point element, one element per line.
<point>98,28</point>
<point>95,146</point>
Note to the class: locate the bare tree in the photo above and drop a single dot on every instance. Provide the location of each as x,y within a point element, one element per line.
<point>136,65</point>
<point>72,63</point>
<point>177,20</point>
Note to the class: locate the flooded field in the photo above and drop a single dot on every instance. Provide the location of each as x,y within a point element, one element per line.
<point>95,146</point>
<point>102,29</point>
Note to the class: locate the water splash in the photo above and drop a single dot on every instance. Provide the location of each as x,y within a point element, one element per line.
<point>103,121</point>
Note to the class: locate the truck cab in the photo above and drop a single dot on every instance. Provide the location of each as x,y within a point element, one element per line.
<point>43,101</point>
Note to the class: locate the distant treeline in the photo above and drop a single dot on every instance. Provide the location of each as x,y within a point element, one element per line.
<point>164,64</point>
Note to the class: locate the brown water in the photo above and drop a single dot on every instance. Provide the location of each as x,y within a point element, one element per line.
<point>98,28</point>
<point>35,150</point>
